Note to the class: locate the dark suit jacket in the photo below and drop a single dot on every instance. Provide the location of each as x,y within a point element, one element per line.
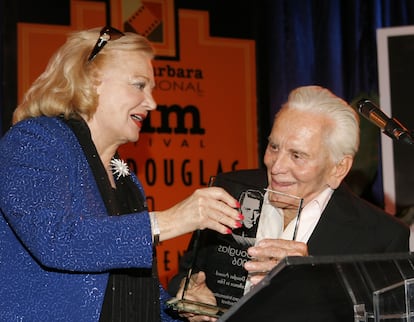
<point>349,225</point>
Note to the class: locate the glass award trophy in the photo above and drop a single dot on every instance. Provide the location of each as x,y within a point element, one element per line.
<point>221,257</point>
<point>287,202</point>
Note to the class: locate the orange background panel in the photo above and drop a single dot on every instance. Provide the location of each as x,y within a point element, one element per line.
<point>224,95</point>
<point>221,88</point>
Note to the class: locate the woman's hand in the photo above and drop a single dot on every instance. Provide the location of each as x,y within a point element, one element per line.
<point>211,208</point>
<point>268,253</point>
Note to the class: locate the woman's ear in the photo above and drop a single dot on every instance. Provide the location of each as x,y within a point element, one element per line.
<point>339,171</point>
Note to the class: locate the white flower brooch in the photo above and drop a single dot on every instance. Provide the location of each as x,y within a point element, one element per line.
<point>119,168</point>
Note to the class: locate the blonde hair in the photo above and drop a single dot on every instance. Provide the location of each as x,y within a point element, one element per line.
<point>68,84</point>
<point>342,136</point>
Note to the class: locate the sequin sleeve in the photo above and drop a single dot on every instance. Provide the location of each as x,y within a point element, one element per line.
<point>51,201</point>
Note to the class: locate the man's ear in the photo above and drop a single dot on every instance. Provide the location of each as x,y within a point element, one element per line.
<point>339,171</point>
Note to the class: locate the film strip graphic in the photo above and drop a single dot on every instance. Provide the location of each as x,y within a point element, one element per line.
<point>143,21</point>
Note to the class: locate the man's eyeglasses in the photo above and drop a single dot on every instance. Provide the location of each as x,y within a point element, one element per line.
<point>107,33</point>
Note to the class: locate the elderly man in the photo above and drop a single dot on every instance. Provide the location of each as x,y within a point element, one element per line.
<point>312,145</point>
<point>311,148</point>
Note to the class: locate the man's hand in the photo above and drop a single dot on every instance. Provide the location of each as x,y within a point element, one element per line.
<point>268,253</point>
<point>198,291</point>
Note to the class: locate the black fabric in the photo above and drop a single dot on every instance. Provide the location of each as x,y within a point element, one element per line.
<point>131,294</point>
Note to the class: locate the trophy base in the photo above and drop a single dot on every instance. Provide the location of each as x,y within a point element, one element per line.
<point>183,305</point>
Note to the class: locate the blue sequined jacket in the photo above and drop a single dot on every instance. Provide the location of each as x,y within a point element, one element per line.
<point>57,241</point>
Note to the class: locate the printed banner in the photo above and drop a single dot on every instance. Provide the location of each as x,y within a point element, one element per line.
<point>205,121</point>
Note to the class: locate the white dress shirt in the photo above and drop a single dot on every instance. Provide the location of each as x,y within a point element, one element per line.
<point>271,222</point>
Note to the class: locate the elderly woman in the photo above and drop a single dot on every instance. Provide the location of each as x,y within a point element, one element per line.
<point>76,238</point>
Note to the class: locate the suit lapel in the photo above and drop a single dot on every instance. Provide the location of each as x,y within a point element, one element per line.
<point>335,231</point>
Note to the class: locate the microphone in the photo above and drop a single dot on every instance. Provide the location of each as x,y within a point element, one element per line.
<point>390,126</point>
